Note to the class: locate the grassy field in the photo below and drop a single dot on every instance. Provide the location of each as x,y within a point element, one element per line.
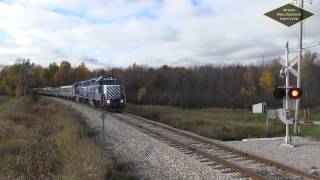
<point>312,130</point>
<point>222,124</point>
<point>45,140</point>
<point>217,123</point>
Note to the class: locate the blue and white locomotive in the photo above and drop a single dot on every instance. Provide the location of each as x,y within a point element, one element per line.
<point>103,92</point>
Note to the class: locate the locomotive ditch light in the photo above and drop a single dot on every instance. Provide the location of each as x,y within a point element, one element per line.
<point>279,93</point>
<point>294,93</point>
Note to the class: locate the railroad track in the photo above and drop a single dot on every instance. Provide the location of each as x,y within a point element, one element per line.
<point>221,157</point>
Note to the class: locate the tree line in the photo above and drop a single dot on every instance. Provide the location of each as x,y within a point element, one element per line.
<point>231,86</point>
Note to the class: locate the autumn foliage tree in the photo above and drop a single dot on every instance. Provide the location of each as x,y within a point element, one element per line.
<point>16,78</point>
<point>233,86</point>
<point>64,74</point>
<point>48,75</point>
<point>267,81</point>
<point>141,93</point>
<point>81,73</point>
<point>310,76</point>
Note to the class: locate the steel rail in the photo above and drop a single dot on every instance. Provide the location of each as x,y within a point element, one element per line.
<point>236,168</point>
<point>259,159</point>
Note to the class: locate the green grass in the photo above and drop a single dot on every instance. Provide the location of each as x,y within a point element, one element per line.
<point>6,104</point>
<point>312,131</point>
<point>315,117</point>
<point>217,123</point>
<point>309,130</point>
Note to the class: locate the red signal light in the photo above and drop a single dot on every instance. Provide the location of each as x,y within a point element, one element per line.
<point>294,93</point>
<point>279,93</point>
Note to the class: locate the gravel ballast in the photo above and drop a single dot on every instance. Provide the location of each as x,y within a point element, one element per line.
<point>149,158</point>
<point>143,155</point>
<point>304,156</point>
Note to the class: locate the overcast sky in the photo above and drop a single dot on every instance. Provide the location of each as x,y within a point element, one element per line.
<point>109,33</point>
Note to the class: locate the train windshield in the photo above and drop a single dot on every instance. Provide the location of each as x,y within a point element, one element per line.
<point>111,82</point>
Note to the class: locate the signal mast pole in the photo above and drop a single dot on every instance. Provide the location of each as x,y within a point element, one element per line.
<point>286,104</point>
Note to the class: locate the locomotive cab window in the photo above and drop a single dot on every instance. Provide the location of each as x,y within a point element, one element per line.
<point>110,82</point>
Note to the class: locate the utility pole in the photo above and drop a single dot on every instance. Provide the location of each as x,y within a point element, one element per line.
<point>296,116</point>
<point>296,129</point>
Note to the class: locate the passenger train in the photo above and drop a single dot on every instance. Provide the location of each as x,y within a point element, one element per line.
<point>103,92</point>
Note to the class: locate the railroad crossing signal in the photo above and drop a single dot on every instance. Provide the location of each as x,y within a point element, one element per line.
<point>289,14</point>
<point>293,93</point>
<point>290,66</point>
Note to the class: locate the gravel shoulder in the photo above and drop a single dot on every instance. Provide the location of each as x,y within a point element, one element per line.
<point>305,155</point>
<point>143,155</point>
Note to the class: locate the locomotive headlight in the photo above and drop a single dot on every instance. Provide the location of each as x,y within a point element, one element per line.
<point>108,101</point>
<point>121,101</point>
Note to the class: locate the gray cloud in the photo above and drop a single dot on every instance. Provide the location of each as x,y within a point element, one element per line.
<point>91,60</point>
<point>151,32</point>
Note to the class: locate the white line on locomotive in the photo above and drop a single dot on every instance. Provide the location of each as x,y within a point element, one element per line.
<point>103,92</point>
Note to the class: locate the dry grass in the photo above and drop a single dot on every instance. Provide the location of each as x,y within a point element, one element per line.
<point>6,103</point>
<point>3,98</point>
<point>46,140</point>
